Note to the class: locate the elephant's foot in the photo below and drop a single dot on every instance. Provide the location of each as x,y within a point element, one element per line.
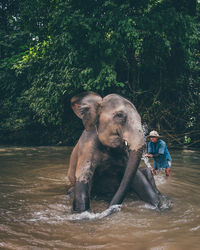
<point>80,207</point>
<point>165,203</point>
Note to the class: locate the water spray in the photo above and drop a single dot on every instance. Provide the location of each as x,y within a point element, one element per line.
<point>145,158</point>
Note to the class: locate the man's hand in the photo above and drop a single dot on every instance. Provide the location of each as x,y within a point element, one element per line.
<point>149,155</point>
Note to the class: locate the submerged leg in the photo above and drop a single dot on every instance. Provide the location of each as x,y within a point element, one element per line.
<point>149,175</point>
<point>81,201</point>
<point>167,171</point>
<point>143,187</point>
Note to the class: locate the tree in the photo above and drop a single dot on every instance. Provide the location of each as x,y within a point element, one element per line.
<point>145,50</point>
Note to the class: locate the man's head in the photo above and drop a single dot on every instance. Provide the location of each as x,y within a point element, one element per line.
<point>154,136</point>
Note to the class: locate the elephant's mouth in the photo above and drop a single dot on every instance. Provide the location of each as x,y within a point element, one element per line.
<point>113,140</point>
<point>118,142</point>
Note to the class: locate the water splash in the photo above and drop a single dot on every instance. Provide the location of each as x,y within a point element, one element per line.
<point>195,228</point>
<point>93,216</point>
<point>146,161</point>
<point>145,158</point>
<point>160,177</point>
<point>145,129</point>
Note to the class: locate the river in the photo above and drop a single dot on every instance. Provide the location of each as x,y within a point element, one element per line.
<point>35,212</point>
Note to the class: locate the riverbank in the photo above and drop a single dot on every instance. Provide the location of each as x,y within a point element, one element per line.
<point>41,136</point>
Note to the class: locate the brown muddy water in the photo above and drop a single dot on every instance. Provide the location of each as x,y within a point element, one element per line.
<point>35,212</point>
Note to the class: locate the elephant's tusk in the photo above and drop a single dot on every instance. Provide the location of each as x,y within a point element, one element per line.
<point>126,143</point>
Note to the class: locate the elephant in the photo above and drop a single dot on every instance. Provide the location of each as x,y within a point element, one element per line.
<point>105,160</point>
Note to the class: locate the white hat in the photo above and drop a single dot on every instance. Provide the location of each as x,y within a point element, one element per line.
<point>154,134</point>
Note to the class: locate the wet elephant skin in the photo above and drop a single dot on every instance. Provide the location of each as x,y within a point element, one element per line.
<point>106,158</point>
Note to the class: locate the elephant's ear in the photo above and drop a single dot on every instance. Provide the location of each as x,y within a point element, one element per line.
<point>86,106</point>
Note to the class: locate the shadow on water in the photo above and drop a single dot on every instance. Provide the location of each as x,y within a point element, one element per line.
<point>35,212</point>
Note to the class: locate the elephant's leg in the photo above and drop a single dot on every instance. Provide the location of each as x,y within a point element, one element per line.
<point>82,187</point>
<point>72,165</point>
<point>144,189</point>
<point>149,175</point>
<point>81,200</point>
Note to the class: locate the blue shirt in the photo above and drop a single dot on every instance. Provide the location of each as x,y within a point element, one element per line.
<point>160,148</point>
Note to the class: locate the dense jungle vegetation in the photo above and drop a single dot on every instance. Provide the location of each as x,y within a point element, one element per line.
<point>146,50</point>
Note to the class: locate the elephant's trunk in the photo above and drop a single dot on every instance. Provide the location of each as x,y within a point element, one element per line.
<point>132,165</point>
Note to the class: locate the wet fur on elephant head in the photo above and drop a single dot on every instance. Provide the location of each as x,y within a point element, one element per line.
<point>111,123</point>
<point>115,119</point>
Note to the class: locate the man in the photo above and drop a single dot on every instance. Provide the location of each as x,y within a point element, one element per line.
<point>157,149</point>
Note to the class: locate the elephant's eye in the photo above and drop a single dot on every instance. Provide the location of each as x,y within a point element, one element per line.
<point>120,117</point>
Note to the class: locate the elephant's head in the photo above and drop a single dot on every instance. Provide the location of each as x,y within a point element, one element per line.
<point>117,123</point>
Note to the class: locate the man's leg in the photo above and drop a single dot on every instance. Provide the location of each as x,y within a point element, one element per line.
<point>167,171</point>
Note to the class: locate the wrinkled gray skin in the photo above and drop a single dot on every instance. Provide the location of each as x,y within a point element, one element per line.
<point>105,160</point>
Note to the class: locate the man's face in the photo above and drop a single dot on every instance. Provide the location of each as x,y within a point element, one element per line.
<point>154,139</point>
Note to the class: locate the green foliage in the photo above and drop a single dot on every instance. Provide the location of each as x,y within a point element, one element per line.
<point>34,54</point>
<point>146,50</point>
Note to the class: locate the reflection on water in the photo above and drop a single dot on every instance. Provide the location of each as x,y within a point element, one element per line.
<point>35,212</point>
